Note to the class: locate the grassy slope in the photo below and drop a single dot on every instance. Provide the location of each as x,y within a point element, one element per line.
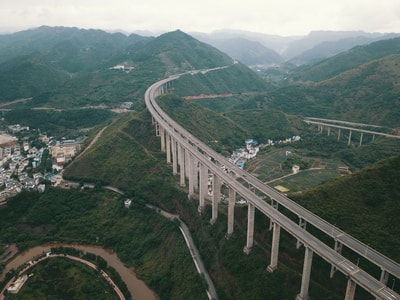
<point>367,94</point>
<point>236,275</point>
<point>366,205</point>
<point>348,60</point>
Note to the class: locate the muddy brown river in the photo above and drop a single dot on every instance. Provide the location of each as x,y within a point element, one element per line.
<point>138,289</point>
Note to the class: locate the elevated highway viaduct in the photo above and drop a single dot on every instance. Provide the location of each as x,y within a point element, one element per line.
<point>322,123</point>
<point>195,162</point>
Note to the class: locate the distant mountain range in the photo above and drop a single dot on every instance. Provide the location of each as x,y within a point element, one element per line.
<point>262,49</point>
<point>70,67</point>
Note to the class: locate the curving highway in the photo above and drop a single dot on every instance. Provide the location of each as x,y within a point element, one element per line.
<point>240,181</point>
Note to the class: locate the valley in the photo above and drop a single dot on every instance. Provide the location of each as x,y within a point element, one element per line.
<point>127,156</point>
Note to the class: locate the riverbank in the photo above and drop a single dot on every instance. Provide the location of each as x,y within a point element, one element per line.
<point>137,288</point>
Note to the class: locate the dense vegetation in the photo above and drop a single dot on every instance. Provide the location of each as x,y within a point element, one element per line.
<point>97,217</point>
<point>348,60</point>
<point>365,204</point>
<point>235,79</point>
<point>230,129</point>
<point>61,278</point>
<point>59,123</point>
<point>211,239</point>
<point>127,156</point>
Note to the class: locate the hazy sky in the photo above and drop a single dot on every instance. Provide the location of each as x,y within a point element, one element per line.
<point>282,17</point>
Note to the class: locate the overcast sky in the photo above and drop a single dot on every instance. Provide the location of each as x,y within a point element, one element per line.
<point>281,17</point>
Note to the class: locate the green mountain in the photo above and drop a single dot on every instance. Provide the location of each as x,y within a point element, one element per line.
<point>367,93</point>
<point>28,76</point>
<point>365,204</point>
<point>75,64</point>
<point>180,52</point>
<point>236,79</point>
<point>247,51</point>
<point>71,49</point>
<point>347,60</point>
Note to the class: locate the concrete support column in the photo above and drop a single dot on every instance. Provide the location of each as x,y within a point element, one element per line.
<point>168,147</point>
<point>338,248</point>
<point>329,131</point>
<point>181,157</point>
<point>361,138</point>
<point>157,126</point>
<point>250,228</point>
<point>187,163</point>
<point>350,290</point>
<point>302,224</point>
<point>216,198</point>
<point>384,277</point>
<point>162,135</point>
<point>191,173</point>
<point>275,205</point>
<point>196,174</point>
<point>231,212</point>
<point>203,186</point>
<point>373,137</point>
<point>174,157</point>
<point>349,141</point>
<point>338,136</point>
<point>305,279</point>
<point>275,248</point>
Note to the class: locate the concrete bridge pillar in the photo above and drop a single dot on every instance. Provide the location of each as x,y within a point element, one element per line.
<point>216,198</point>
<point>174,157</point>
<point>329,131</point>
<point>349,141</point>
<point>203,186</point>
<point>162,135</point>
<point>302,224</point>
<point>191,173</point>
<point>338,248</point>
<point>275,248</point>
<point>305,279</point>
<point>275,205</point>
<point>338,136</point>
<point>231,212</point>
<point>250,228</point>
<point>350,290</point>
<point>384,277</point>
<point>168,147</point>
<point>181,157</point>
<point>361,138</point>
<point>157,126</point>
<point>196,174</point>
<point>187,163</point>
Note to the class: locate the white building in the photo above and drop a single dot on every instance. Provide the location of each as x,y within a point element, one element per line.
<point>17,284</point>
<point>295,169</point>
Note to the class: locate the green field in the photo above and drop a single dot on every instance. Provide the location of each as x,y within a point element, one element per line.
<point>272,168</point>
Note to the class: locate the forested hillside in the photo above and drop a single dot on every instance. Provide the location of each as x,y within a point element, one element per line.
<point>368,94</point>
<point>347,60</point>
<point>69,67</point>
<point>366,205</point>
<point>127,155</point>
